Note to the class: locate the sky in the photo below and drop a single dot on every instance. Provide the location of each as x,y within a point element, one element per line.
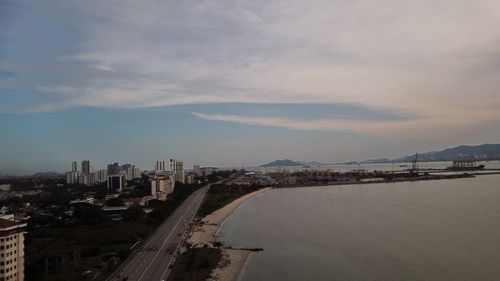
<point>241,83</point>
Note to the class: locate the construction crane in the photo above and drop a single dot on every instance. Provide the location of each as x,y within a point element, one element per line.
<point>414,166</point>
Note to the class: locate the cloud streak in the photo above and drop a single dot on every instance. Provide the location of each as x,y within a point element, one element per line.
<point>394,128</point>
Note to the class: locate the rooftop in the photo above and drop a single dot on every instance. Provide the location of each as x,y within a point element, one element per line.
<point>9,224</point>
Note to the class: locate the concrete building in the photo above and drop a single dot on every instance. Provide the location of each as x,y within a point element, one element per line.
<point>113,169</point>
<point>74,167</point>
<point>116,182</point>
<point>196,170</point>
<point>85,167</point>
<point>125,167</point>
<point>160,166</point>
<point>191,178</point>
<point>101,176</point>
<point>11,250</point>
<point>161,186</point>
<point>133,172</point>
<point>89,179</point>
<point>72,177</point>
<point>177,169</point>
<point>207,171</point>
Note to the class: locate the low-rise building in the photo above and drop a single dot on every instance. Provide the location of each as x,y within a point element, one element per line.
<point>116,182</point>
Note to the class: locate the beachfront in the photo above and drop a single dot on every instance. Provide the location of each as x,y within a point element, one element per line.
<point>205,234</point>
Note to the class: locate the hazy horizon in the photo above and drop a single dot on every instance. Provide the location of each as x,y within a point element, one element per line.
<point>224,83</point>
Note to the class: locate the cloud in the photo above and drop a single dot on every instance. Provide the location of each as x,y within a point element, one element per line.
<point>433,59</point>
<point>378,127</point>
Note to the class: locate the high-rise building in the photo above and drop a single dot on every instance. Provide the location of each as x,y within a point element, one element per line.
<point>74,166</point>
<point>125,167</point>
<point>113,169</point>
<point>177,170</point>
<point>133,172</point>
<point>160,166</point>
<point>89,179</point>
<point>11,250</point>
<point>101,176</point>
<point>161,186</point>
<point>72,177</point>
<point>85,167</point>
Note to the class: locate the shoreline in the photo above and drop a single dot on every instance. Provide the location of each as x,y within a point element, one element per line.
<point>205,233</point>
<point>431,178</point>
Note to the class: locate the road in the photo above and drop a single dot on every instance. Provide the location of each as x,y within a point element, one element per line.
<point>153,259</point>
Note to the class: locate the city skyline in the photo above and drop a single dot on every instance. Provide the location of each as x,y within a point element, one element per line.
<point>224,83</point>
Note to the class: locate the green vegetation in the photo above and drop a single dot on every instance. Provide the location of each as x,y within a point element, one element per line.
<point>196,264</point>
<point>220,195</point>
<point>101,243</point>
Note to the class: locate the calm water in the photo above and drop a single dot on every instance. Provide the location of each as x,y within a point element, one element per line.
<point>436,230</point>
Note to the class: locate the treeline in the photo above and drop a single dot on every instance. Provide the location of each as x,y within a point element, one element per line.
<point>220,195</point>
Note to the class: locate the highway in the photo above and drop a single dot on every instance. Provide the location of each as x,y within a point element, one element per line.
<point>153,259</point>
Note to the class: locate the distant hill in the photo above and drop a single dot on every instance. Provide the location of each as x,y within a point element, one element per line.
<point>484,151</point>
<point>282,163</point>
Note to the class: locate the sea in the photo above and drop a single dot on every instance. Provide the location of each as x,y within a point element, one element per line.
<point>426,230</point>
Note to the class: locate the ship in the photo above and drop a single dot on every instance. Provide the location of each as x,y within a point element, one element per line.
<point>465,164</point>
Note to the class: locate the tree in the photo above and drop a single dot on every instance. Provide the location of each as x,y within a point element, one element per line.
<point>115,202</point>
<point>88,214</point>
<point>133,213</point>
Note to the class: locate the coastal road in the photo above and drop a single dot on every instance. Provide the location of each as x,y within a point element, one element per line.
<point>153,259</point>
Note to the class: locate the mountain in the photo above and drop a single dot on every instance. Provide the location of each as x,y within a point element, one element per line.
<point>484,151</point>
<point>282,163</point>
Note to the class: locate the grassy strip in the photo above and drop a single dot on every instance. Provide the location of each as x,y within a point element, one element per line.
<point>196,264</point>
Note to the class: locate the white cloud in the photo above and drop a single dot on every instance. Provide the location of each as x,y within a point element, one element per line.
<point>429,58</point>
<point>395,128</point>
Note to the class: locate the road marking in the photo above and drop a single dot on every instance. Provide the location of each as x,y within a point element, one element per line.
<point>163,245</point>
<point>178,245</point>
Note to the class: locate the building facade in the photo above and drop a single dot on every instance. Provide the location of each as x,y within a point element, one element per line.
<point>116,182</point>
<point>177,170</point>
<point>160,166</point>
<point>89,179</point>
<point>72,177</point>
<point>85,167</point>
<point>133,172</point>
<point>113,169</point>
<point>161,186</point>
<point>11,250</point>
<point>101,176</point>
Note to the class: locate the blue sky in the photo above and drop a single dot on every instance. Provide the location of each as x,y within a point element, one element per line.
<point>243,82</point>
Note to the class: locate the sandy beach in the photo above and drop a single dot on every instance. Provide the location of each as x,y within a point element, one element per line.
<point>205,234</point>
